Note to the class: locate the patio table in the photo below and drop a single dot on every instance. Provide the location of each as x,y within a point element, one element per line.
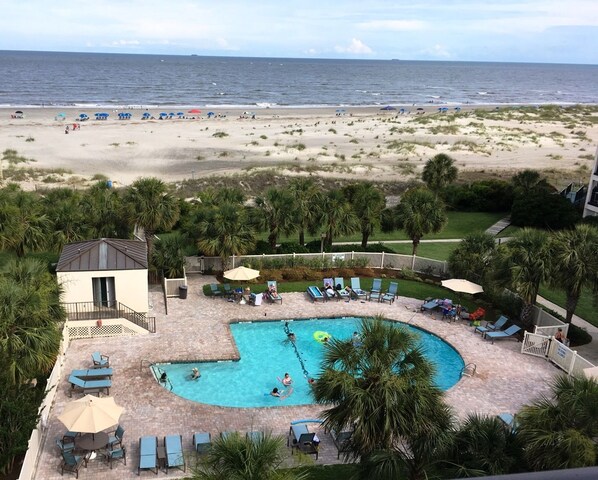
<point>90,442</point>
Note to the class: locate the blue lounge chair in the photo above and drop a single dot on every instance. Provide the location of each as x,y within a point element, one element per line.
<point>391,294</point>
<point>202,442</point>
<point>356,289</point>
<point>174,452</point>
<point>89,385</point>
<point>302,440</point>
<point>376,291</point>
<point>329,283</point>
<point>99,360</point>
<point>148,449</point>
<point>272,292</point>
<point>492,327</point>
<point>509,332</point>
<point>315,293</point>
<point>339,286</point>
<point>94,373</point>
<point>430,305</point>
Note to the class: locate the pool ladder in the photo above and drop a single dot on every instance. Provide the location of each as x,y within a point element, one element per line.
<point>147,363</point>
<point>468,370</point>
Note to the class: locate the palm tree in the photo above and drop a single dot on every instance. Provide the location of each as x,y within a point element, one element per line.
<point>275,214</point>
<point>558,430</point>
<point>420,213</point>
<point>151,207</point>
<point>439,172</point>
<point>473,257</point>
<point>529,180</point>
<point>307,201</point>
<point>168,256</point>
<point>337,217</point>
<point>105,213</point>
<point>224,230</point>
<point>69,222</point>
<point>237,457</point>
<point>574,263</point>
<point>522,265</point>
<point>384,390</point>
<point>368,203</point>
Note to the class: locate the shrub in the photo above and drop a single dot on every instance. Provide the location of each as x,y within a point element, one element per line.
<point>542,209</point>
<point>290,247</point>
<point>482,196</point>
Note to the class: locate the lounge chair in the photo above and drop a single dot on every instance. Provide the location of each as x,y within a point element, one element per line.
<point>90,386</point>
<point>94,373</point>
<point>215,290</point>
<point>341,442</point>
<point>119,453</point>
<point>202,442</point>
<point>315,293</point>
<point>301,439</point>
<point>272,292</point>
<point>492,327</point>
<point>509,332</point>
<point>430,304</point>
<point>174,452</point>
<point>356,289</point>
<point>391,293</point>
<point>148,449</point>
<point>339,286</point>
<point>376,291</point>
<point>99,360</point>
<point>327,295</point>
<point>72,463</point>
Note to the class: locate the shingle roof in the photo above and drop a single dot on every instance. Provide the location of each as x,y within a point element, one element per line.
<point>103,254</point>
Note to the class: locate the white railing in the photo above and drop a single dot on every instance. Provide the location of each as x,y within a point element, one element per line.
<point>535,344</point>
<point>550,331</point>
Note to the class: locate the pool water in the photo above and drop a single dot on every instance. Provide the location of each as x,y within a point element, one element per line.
<point>266,354</point>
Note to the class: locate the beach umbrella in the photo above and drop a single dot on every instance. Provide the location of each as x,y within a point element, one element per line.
<point>211,114</point>
<point>91,414</point>
<point>388,107</point>
<point>195,110</point>
<point>19,112</point>
<point>241,274</point>
<point>462,286</point>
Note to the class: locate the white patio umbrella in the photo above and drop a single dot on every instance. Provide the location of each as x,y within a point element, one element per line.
<point>241,274</point>
<point>462,286</point>
<point>91,414</point>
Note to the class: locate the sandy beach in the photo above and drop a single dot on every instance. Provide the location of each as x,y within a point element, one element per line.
<point>357,143</point>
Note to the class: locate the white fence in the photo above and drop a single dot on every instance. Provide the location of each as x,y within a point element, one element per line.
<point>373,260</point>
<point>171,285</point>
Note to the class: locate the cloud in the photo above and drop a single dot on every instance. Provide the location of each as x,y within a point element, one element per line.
<point>436,51</point>
<point>393,25</point>
<point>356,47</point>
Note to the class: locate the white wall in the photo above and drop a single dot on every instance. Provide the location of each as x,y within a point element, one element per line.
<point>130,287</point>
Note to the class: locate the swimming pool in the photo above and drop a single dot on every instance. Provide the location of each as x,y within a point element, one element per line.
<point>267,354</point>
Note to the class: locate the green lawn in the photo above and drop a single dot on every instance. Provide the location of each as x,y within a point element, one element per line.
<point>585,308</point>
<point>436,251</point>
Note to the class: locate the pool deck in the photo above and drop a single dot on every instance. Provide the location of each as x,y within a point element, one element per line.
<point>196,329</point>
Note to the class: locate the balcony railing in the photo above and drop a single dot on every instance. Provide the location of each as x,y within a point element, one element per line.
<point>107,310</point>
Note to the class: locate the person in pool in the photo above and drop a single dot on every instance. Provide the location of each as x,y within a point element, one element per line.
<point>286,380</point>
<point>195,374</point>
<point>163,377</point>
<point>282,394</point>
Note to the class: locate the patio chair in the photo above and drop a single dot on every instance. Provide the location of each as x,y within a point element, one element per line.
<point>94,373</point>
<point>215,290</point>
<point>508,333</point>
<point>391,293</point>
<point>376,291</point>
<point>174,452</point>
<point>148,449</point>
<point>315,293</point>
<point>116,437</point>
<point>356,289</point>
<point>492,327</point>
<point>99,360</point>
<point>342,441</point>
<point>65,444</point>
<point>329,284</point>
<point>202,442</point>
<point>302,440</point>
<point>72,463</point>
<point>119,453</point>
<point>339,286</point>
<point>228,291</point>
<point>272,292</point>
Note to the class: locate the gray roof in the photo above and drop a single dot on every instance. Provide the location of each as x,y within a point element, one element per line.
<point>103,254</point>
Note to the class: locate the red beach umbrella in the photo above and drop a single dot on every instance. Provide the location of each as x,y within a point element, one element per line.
<point>195,110</point>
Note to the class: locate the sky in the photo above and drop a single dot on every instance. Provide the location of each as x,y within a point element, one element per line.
<point>455,30</point>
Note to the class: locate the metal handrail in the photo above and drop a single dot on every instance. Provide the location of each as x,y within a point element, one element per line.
<point>468,370</point>
<point>108,310</point>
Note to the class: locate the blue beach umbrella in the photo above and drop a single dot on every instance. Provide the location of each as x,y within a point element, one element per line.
<point>211,114</point>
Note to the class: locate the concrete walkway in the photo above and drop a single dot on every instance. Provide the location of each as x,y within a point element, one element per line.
<point>588,351</point>
<point>499,226</point>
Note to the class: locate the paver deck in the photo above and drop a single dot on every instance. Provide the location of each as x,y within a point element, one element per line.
<point>196,329</point>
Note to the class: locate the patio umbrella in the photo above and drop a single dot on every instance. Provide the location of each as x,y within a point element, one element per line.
<point>91,414</point>
<point>462,286</point>
<point>241,274</point>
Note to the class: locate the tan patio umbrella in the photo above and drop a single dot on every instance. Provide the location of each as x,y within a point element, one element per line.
<point>591,372</point>
<point>91,414</point>
<point>241,274</point>
<point>462,286</point>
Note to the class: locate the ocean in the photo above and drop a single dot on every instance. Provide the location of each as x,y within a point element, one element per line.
<point>36,79</point>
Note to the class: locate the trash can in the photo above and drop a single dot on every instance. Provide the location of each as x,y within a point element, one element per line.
<point>183,291</point>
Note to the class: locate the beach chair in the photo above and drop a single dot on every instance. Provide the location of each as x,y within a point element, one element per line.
<point>215,290</point>
<point>202,442</point>
<point>356,289</point>
<point>95,373</point>
<point>508,333</point>
<point>72,463</point>
<point>99,360</point>
<point>342,442</point>
<point>339,286</point>
<point>89,386</point>
<point>272,292</point>
<point>148,449</point>
<point>315,293</point>
<point>376,291</point>
<point>492,327</point>
<point>327,282</point>
<point>302,440</point>
<point>391,293</point>
<point>174,452</point>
